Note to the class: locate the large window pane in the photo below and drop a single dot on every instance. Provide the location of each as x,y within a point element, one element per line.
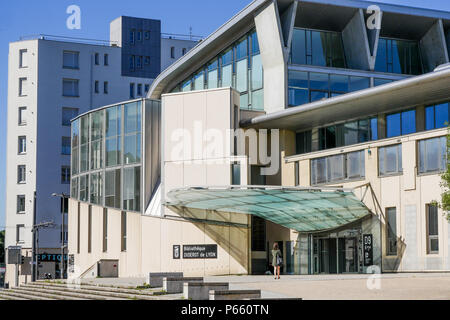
<point>390,160</point>
<point>131,188</point>
<point>199,81</point>
<point>391,231</point>
<point>112,188</point>
<point>257,72</point>
<point>298,50</point>
<point>408,122</point>
<point>96,188</point>
<point>241,75</point>
<point>336,167</point>
<point>433,155</point>
<point>355,165</point>
<point>227,76</point>
<point>393,125</point>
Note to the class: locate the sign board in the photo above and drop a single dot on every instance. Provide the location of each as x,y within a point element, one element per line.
<point>14,255</point>
<point>368,249</point>
<point>71,263</point>
<point>50,257</point>
<point>200,251</point>
<point>176,252</point>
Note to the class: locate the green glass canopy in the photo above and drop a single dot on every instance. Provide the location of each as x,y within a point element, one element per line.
<point>300,209</point>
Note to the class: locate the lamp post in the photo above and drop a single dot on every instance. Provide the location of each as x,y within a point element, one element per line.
<point>63,196</point>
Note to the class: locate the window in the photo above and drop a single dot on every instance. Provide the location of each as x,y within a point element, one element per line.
<point>105,230</point>
<point>96,86</point>
<point>21,174</point>
<point>139,89</point>
<point>20,233</point>
<point>84,188</point>
<point>70,60</point>
<point>132,134</point>
<point>146,88</point>
<point>96,140</point>
<point>132,91</point>
<point>123,231</point>
<point>258,234</point>
<point>74,188</point>
<point>132,36</point>
<point>106,59</point>
<point>147,35</point>
<point>147,60</point>
<point>21,203</point>
<point>96,59</point>
<point>65,174</point>
<point>199,80</point>
<point>132,189</point>
<point>22,145</point>
<point>390,160</point>
<point>105,87</point>
<point>70,88</point>
<point>400,123</point>
<point>65,145</point>
<point>436,116</point>
<point>391,231</point>
<point>96,188</point>
<point>398,56</point>
<point>113,136</point>
<point>183,51</point>
<point>75,145</point>
<point>22,116</point>
<point>68,114</point>
<point>348,133</point>
<point>84,144</point>
<point>305,87</point>
<point>139,35</point>
<point>433,155</point>
<point>139,62</point>
<point>432,229</point>
<point>172,52</point>
<point>338,167</point>
<point>318,48</point>
<point>23,58</point>
<point>112,188</point>
<point>236,174</point>
<point>23,87</point>
<point>303,142</point>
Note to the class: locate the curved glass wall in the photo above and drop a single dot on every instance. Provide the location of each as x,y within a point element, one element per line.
<point>239,67</point>
<point>106,159</point>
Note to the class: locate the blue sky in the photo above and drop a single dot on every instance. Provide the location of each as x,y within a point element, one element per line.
<point>28,17</point>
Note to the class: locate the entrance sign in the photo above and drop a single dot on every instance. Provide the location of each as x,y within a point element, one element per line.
<point>14,255</point>
<point>368,249</point>
<point>200,251</point>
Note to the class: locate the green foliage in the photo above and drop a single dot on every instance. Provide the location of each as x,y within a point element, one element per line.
<point>2,246</point>
<point>444,204</point>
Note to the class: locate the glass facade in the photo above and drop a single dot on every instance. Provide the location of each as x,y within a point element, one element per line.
<point>398,56</point>
<point>318,48</point>
<point>400,123</point>
<point>239,67</point>
<point>104,173</point>
<point>305,87</point>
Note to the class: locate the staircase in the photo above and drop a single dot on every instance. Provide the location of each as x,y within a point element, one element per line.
<point>58,290</point>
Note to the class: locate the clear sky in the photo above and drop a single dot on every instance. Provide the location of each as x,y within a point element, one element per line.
<point>29,17</point>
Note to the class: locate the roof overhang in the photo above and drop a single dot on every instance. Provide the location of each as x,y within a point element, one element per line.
<point>300,209</point>
<point>420,90</point>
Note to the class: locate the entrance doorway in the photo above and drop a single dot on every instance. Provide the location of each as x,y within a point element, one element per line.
<point>335,255</point>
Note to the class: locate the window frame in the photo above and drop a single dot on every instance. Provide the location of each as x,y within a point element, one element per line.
<point>19,197</point>
<point>429,237</point>
<point>399,164</point>
<point>387,227</point>
<point>77,64</point>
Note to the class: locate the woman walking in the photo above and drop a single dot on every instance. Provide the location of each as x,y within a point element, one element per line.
<point>277,260</point>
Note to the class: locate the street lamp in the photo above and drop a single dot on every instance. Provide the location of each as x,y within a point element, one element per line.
<point>63,196</point>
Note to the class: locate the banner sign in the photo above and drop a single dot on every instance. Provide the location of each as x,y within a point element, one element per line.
<point>200,251</point>
<point>50,257</point>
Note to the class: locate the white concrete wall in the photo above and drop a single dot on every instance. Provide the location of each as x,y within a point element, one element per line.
<point>178,44</point>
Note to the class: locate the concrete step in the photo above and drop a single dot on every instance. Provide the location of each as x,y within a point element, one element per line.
<point>137,292</point>
<point>50,294</point>
<point>5,296</point>
<point>18,295</point>
<point>68,293</point>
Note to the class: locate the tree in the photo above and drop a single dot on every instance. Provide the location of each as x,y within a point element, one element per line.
<point>2,246</point>
<point>444,204</point>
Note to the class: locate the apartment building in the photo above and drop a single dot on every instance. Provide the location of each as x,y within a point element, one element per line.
<point>51,81</point>
<point>357,123</point>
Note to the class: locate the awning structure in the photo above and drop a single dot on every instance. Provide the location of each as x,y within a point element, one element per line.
<point>300,209</point>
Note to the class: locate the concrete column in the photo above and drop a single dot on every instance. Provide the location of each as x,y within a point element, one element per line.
<point>356,45</point>
<point>268,27</point>
<point>381,126</point>
<point>433,47</point>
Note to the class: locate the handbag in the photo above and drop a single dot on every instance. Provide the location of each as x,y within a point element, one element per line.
<point>279,260</point>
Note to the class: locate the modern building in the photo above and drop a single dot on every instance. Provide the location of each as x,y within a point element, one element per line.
<point>317,124</point>
<point>51,81</point>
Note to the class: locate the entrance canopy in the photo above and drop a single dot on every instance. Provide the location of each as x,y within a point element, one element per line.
<point>300,209</point>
